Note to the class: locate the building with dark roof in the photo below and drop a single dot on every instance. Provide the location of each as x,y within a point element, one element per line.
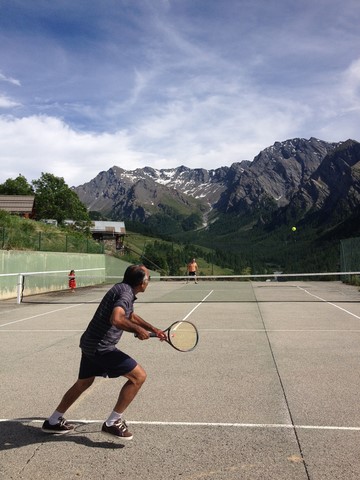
<point>22,205</point>
<point>109,231</point>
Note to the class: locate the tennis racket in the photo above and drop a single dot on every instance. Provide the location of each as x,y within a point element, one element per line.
<point>183,336</point>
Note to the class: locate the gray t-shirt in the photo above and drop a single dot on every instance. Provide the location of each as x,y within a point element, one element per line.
<point>100,336</point>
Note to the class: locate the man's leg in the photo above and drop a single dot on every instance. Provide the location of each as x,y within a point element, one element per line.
<point>115,426</point>
<point>74,393</point>
<point>136,378</point>
<point>56,423</point>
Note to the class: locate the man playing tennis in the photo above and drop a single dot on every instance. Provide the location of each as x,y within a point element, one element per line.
<point>192,269</point>
<point>100,357</point>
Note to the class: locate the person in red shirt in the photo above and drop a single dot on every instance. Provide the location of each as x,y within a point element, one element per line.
<point>72,281</point>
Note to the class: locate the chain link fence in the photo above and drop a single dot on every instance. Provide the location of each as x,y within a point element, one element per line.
<point>350,258</point>
<point>21,239</point>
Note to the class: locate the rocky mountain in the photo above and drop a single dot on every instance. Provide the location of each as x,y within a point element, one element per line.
<point>140,193</point>
<point>291,179</point>
<point>275,174</point>
<point>332,192</point>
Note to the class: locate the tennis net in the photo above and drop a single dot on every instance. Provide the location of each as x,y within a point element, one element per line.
<point>275,287</point>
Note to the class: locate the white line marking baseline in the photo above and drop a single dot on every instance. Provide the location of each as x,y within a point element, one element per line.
<point>40,331</point>
<point>202,424</point>
<point>210,330</point>
<point>40,315</point>
<point>329,303</point>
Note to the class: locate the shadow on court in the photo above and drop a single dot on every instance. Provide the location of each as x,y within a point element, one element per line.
<point>16,434</point>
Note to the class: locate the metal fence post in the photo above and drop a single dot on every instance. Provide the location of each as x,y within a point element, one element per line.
<point>20,286</point>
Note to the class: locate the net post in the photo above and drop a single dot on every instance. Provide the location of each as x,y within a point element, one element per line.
<point>20,285</point>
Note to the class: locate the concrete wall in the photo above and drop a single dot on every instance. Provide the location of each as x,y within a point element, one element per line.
<point>90,269</point>
<point>115,268</point>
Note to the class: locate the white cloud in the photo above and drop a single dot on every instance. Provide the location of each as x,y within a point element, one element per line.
<point>44,144</point>
<point>6,102</point>
<point>11,80</point>
<point>207,134</point>
<point>351,85</point>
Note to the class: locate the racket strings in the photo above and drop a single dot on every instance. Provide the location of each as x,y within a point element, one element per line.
<point>183,336</point>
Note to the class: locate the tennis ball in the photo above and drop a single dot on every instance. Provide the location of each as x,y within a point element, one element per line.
<point>293,229</point>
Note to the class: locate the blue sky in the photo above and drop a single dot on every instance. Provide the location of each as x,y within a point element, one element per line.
<point>88,84</point>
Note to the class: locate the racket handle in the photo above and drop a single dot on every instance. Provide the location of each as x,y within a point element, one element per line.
<point>151,334</point>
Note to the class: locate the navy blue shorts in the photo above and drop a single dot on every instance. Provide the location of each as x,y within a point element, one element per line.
<point>112,364</point>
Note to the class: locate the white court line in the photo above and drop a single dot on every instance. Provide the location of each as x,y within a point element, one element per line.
<point>40,315</point>
<point>203,424</point>
<point>215,330</point>
<point>39,331</point>
<point>245,425</point>
<point>198,305</point>
<point>277,330</point>
<point>80,304</point>
<point>329,303</point>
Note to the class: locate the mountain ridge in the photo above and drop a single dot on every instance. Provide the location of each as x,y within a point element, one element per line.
<point>279,175</point>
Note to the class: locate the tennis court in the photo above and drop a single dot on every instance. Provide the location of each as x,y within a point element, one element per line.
<point>270,392</point>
